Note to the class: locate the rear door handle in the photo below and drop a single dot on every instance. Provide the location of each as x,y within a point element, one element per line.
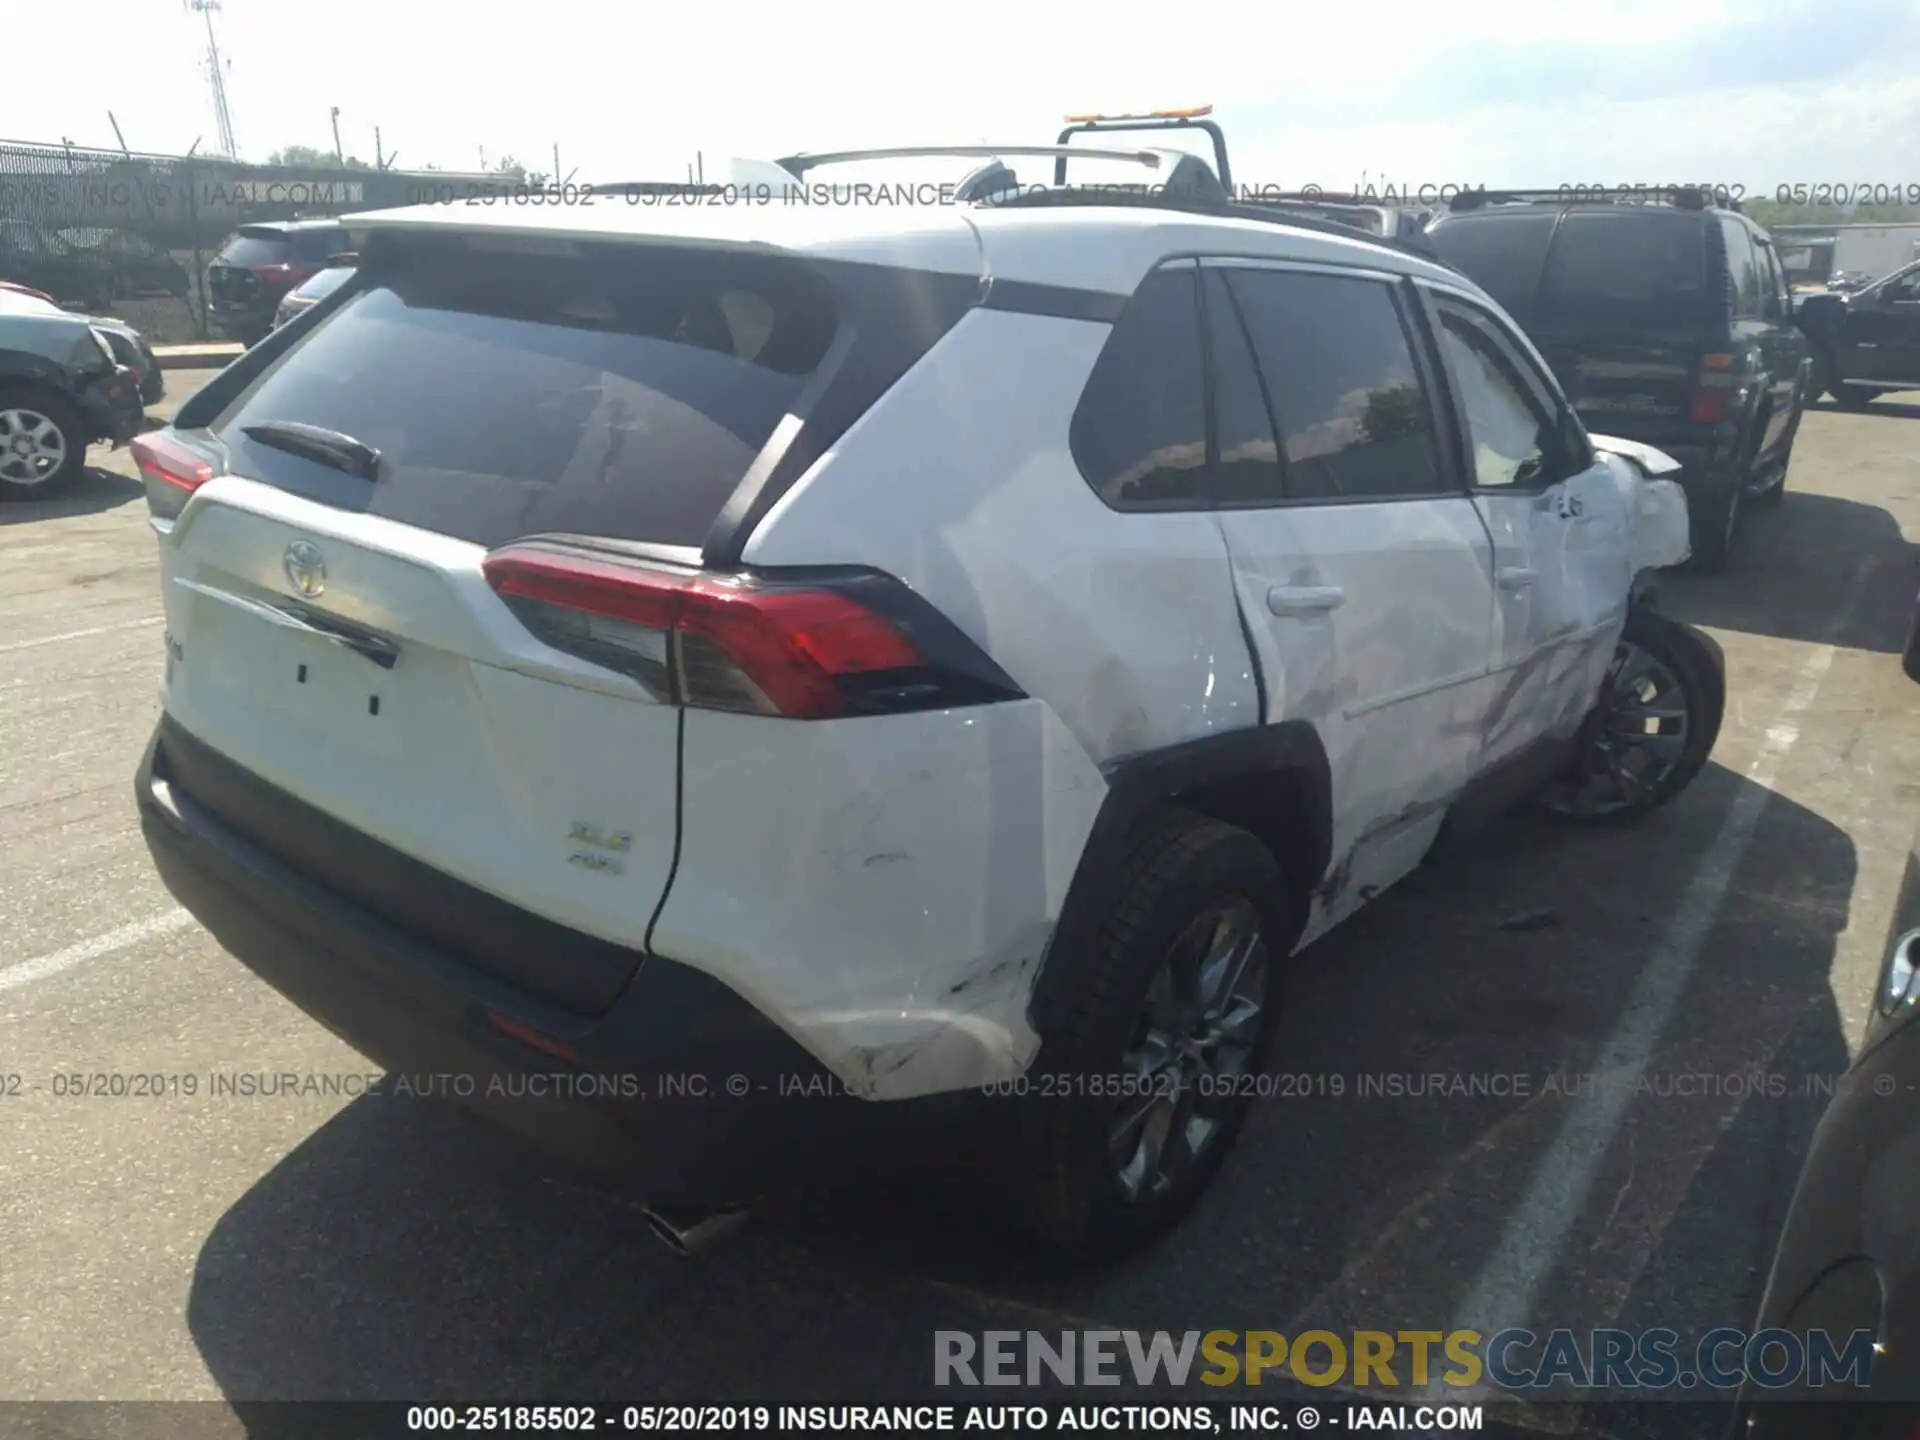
<point>1517,577</point>
<point>377,648</point>
<point>1305,599</point>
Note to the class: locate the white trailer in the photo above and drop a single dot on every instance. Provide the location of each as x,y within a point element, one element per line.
<point>1811,254</point>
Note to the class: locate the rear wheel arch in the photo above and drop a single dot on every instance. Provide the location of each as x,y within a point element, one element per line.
<point>1274,782</point>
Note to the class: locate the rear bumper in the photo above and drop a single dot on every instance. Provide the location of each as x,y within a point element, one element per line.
<point>246,323</point>
<point>682,1090</point>
<point>153,380</point>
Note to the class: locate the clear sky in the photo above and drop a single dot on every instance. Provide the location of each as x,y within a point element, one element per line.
<point>1473,91</point>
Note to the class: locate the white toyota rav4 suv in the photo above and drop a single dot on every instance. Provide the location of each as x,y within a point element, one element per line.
<point>723,680</point>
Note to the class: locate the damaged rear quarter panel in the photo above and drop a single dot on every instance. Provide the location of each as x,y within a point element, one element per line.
<point>883,889</point>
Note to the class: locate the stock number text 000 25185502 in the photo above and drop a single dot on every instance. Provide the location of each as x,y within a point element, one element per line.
<point>1722,194</point>
<point>618,1419</point>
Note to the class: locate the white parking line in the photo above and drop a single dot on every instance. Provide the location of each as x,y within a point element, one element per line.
<point>13,645</point>
<point>1509,1284</point>
<point>28,971</point>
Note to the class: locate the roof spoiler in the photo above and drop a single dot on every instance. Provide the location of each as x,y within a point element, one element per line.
<point>799,165</point>
<point>1192,118</point>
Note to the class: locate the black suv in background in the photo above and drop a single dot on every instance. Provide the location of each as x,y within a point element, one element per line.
<point>1868,341</point>
<point>258,266</point>
<point>1668,322</point>
<point>61,390</point>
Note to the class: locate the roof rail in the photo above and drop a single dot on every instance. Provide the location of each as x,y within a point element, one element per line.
<point>1191,118</point>
<point>1337,197</point>
<point>1680,197</point>
<point>1299,218</point>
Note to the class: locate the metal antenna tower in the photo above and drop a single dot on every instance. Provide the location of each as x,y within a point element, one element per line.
<point>222,116</point>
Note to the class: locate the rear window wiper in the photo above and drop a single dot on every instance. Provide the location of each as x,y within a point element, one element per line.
<point>313,442</point>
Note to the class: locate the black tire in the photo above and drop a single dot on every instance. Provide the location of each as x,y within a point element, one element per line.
<point>1774,493</point>
<point>1853,397</point>
<point>1694,674</point>
<point>18,401</point>
<point>1712,521</point>
<point>1826,375</point>
<point>1065,1186</point>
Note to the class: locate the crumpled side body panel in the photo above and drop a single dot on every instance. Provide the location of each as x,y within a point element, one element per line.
<point>1659,534</point>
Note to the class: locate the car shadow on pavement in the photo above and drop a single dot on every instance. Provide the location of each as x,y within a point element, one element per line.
<point>1817,568</point>
<point>93,491</point>
<point>1887,409</point>
<point>404,1252</point>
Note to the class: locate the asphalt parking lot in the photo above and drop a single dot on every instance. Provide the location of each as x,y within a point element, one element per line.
<point>1723,954</point>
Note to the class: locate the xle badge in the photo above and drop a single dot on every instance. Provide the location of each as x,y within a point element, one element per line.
<point>598,858</point>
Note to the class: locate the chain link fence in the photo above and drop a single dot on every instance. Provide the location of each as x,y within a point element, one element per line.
<point>130,235</point>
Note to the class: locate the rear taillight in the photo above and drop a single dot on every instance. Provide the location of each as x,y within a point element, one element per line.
<point>285,274</point>
<point>803,651</point>
<point>1713,394</point>
<point>171,473</point>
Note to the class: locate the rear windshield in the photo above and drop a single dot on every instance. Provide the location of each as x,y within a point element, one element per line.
<point>325,283</point>
<point>1628,269</point>
<point>618,394</point>
<point>276,248</point>
<point>1502,254</point>
<point>1610,271</point>
<point>317,246</point>
<point>249,250</point>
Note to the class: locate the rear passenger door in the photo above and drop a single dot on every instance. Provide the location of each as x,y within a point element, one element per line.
<point>1785,348</point>
<point>1363,569</point>
<point>1557,519</point>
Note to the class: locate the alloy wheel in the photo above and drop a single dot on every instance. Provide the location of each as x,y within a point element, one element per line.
<point>1635,737</point>
<point>32,448</point>
<point>1193,1042</point>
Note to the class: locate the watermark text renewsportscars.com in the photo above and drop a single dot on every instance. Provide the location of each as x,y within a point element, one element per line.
<point>1514,1359</point>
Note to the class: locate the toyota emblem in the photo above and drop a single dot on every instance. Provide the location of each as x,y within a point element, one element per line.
<point>306,568</point>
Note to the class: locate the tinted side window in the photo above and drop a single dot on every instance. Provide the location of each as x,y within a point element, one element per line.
<point>1508,435</point>
<point>1139,432</point>
<point>1340,381</point>
<point>1773,283</point>
<point>1247,470</point>
<point>1742,271</point>
<point>1502,254</point>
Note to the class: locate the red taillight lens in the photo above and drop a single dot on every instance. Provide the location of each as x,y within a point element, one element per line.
<point>170,471</point>
<point>514,1030</point>
<point>702,640</point>
<point>1713,396</point>
<point>286,273</point>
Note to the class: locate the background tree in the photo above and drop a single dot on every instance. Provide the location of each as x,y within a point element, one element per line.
<point>1769,213</point>
<point>309,157</point>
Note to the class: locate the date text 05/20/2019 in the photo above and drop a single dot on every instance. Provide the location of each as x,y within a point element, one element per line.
<point>1010,1419</point>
